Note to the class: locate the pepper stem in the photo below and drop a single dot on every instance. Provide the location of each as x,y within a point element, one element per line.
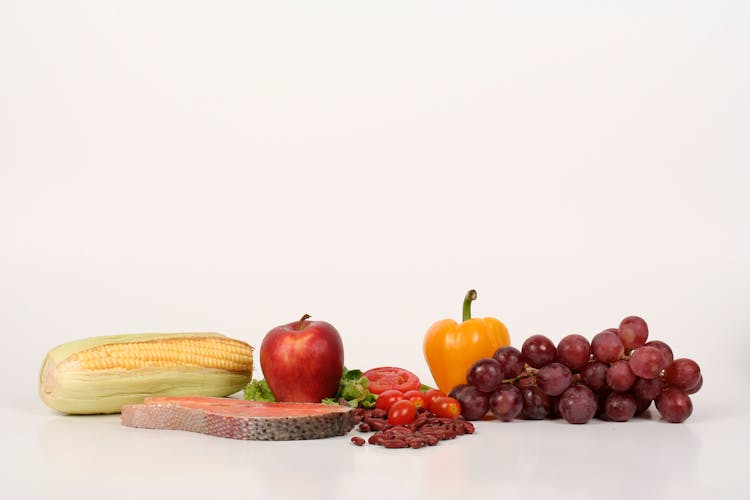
<point>470,295</point>
<point>302,320</point>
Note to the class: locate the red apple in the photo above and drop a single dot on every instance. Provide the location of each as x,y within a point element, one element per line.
<point>302,361</point>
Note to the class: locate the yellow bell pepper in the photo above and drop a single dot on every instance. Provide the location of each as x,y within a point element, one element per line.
<point>450,349</point>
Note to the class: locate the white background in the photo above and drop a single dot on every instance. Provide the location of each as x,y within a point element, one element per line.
<point>228,166</point>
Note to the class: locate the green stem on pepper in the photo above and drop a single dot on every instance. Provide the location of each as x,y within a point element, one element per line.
<point>470,295</point>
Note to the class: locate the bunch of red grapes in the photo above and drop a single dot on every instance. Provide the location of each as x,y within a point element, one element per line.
<point>616,377</point>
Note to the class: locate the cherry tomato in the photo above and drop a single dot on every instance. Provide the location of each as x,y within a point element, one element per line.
<point>431,395</point>
<point>389,377</point>
<point>417,399</point>
<point>386,399</point>
<point>446,407</point>
<point>402,413</point>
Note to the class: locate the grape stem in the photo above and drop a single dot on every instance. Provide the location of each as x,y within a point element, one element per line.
<point>528,372</point>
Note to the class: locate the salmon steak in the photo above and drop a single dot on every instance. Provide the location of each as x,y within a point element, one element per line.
<point>240,419</point>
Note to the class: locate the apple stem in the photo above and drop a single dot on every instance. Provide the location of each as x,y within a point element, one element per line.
<point>470,295</point>
<point>302,320</point>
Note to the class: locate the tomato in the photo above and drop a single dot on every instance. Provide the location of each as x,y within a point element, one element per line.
<point>431,395</point>
<point>386,399</point>
<point>416,398</point>
<point>446,407</point>
<point>389,377</point>
<point>402,413</point>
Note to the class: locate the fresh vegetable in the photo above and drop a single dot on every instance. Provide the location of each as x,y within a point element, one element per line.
<point>446,407</point>
<point>387,398</point>
<point>102,374</point>
<point>451,348</point>
<point>417,399</point>
<point>258,390</point>
<point>430,395</point>
<point>389,377</point>
<point>402,412</point>
<point>302,361</point>
<point>353,388</point>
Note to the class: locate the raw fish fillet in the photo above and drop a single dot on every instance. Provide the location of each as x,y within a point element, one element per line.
<point>240,419</point>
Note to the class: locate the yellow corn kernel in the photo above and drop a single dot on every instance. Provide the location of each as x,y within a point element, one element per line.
<point>101,374</point>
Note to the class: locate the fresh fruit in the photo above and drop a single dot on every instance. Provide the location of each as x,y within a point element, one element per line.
<point>674,405</point>
<point>620,377</point>
<point>574,351</point>
<point>486,374</point>
<point>387,398</point>
<point>474,403</point>
<point>506,403</point>
<point>620,406</point>
<point>511,360</point>
<point>683,374</point>
<point>302,361</point>
<point>607,346</point>
<point>538,351</point>
<point>451,348</point>
<point>390,377</point>
<point>606,380</point>
<point>402,412</point>
<point>665,350</point>
<point>554,378</point>
<point>446,407</point>
<point>536,404</point>
<point>646,362</point>
<point>633,332</point>
<point>577,404</point>
<point>101,374</point>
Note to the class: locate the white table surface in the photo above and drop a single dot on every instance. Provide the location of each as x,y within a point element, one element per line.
<point>83,457</point>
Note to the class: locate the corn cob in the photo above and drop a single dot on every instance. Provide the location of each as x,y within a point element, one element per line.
<point>101,374</point>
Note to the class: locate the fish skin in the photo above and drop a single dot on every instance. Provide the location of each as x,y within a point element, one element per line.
<point>239,419</point>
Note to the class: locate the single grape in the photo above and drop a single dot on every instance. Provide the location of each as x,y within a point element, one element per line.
<point>696,387</point>
<point>485,374</point>
<point>647,388</point>
<point>506,403</point>
<point>474,403</point>
<point>633,332</point>
<point>683,373</point>
<point>607,346</point>
<point>641,405</point>
<point>666,351</point>
<point>577,404</point>
<point>554,378</point>
<point>536,404</point>
<point>511,360</point>
<point>538,351</point>
<point>647,362</point>
<point>574,351</point>
<point>620,377</point>
<point>594,375</point>
<point>674,405</point>
<point>620,406</point>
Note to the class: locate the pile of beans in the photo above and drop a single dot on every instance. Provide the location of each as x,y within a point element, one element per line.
<point>427,429</point>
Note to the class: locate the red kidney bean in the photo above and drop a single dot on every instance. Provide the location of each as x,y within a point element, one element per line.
<point>364,427</point>
<point>358,441</point>
<point>395,443</point>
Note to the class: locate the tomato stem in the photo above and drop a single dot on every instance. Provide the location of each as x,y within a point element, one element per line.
<point>470,295</point>
<point>302,320</point>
